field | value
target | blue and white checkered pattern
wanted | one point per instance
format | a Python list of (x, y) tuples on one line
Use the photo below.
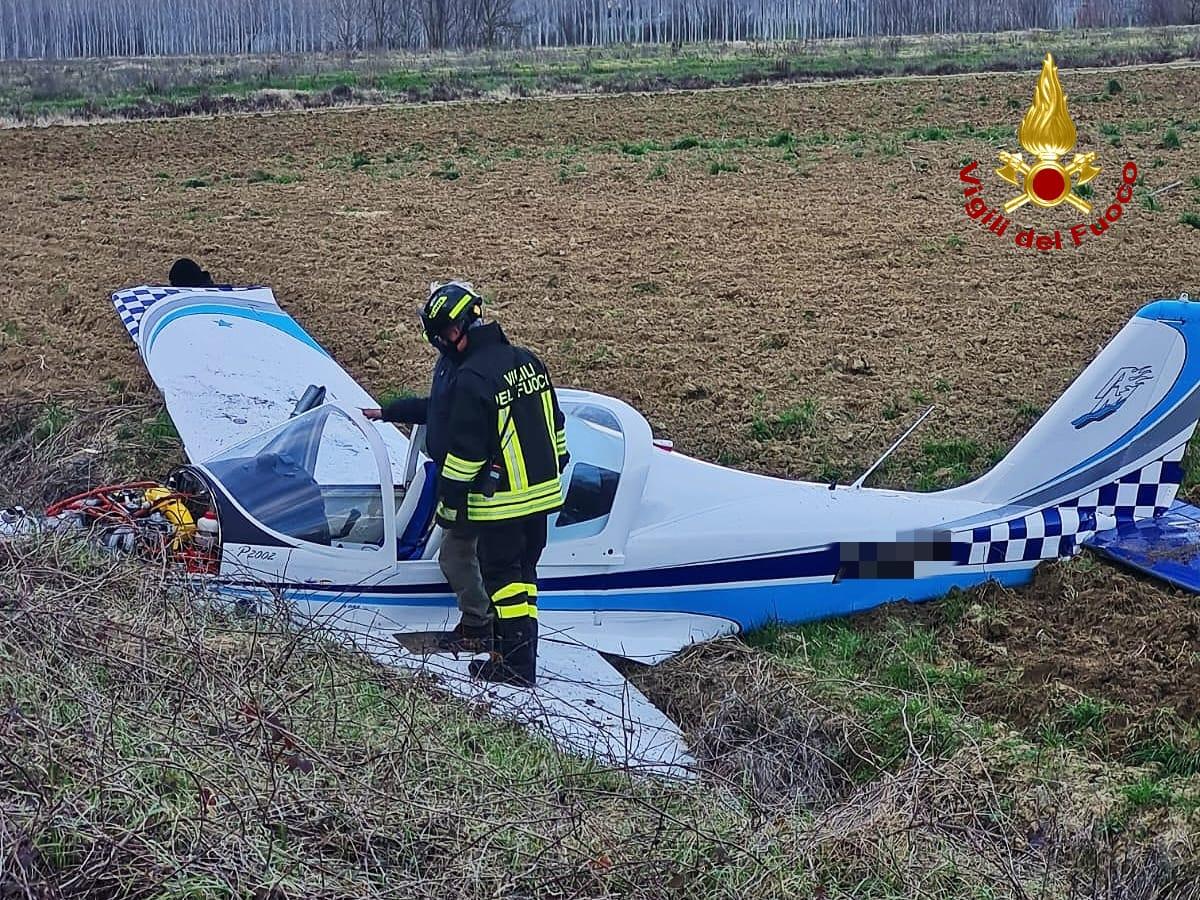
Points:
[(133, 302), (1057, 531)]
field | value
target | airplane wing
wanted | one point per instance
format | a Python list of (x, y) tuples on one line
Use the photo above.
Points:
[(581, 703), (231, 363)]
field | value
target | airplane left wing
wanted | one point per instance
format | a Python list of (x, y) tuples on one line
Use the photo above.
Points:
[(231, 363), (581, 703)]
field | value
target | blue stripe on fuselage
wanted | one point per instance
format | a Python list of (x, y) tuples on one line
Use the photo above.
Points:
[(750, 605), (819, 562)]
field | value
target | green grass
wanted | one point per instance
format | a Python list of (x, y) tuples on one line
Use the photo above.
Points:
[(195, 183), (261, 176), (793, 422), (395, 393), (53, 419), (159, 432), (1173, 755), (716, 167), (898, 682), (1190, 218), (447, 171), (1087, 713), (1147, 792), (1170, 140), (1030, 412), (1086, 191), (950, 461), (640, 148), (173, 86)]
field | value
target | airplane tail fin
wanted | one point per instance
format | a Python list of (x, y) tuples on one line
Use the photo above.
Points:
[(1113, 443)]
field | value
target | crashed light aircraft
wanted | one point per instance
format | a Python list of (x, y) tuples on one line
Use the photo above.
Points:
[(653, 550)]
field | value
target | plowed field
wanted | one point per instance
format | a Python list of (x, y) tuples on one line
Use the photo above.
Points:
[(778, 278)]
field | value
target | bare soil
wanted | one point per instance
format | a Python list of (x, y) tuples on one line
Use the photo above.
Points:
[(836, 267), (1083, 631)]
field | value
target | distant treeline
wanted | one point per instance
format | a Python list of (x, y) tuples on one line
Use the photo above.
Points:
[(89, 28)]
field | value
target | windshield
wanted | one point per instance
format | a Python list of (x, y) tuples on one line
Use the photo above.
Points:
[(315, 477), (597, 447)]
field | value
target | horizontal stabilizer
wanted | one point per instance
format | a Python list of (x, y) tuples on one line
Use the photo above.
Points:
[(1166, 546)]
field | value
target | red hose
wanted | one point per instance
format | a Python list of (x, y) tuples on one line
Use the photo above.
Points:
[(100, 493)]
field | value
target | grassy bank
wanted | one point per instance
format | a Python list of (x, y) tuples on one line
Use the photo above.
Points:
[(155, 746), (141, 88)]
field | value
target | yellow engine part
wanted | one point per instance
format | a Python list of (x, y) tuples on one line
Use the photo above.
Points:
[(174, 512)]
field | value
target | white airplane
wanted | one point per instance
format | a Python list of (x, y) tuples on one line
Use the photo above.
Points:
[(653, 550)]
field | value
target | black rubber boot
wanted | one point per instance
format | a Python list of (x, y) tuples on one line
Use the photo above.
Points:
[(468, 639), (516, 660), (522, 653)]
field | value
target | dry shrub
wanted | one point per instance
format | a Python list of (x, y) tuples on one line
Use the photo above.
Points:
[(751, 725), (153, 746), (50, 450)]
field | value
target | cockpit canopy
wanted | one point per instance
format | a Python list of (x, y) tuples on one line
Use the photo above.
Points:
[(315, 478), (322, 476)]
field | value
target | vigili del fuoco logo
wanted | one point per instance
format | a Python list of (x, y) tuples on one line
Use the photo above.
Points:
[(1047, 134)]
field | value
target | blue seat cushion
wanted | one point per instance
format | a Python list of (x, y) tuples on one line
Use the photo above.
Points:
[(412, 541)]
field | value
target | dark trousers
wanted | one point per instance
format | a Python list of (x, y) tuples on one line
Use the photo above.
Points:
[(508, 558)]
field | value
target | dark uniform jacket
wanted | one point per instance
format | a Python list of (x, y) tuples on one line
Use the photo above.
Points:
[(433, 411), (506, 428)]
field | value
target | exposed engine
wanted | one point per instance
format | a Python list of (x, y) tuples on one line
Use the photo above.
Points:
[(176, 521)]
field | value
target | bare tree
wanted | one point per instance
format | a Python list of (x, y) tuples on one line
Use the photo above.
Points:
[(349, 24), (489, 23), (436, 21)]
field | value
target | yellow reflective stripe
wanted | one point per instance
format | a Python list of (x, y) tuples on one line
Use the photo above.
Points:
[(462, 304), (516, 611), (531, 589), (547, 504), (518, 476), (512, 498), (458, 469), (510, 443), (525, 607), (514, 589), (513, 504), (548, 409), (438, 304)]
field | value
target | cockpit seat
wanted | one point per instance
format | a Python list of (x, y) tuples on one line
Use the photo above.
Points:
[(415, 513), (289, 498)]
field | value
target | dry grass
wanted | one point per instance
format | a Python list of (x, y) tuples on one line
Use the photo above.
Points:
[(52, 449), (54, 91), (155, 745)]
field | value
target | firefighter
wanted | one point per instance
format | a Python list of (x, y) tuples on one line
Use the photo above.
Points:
[(507, 448), (457, 557)]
